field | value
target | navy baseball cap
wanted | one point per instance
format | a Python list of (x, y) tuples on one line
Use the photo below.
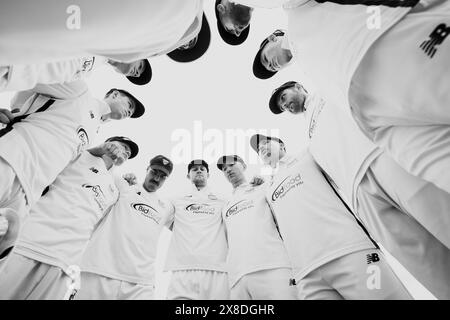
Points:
[(258, 69), (230, 38), (257, 138), (162, 163), (200, 162), (133, 146), (196, 51), (228, 160), (145, 77), (273, 102)]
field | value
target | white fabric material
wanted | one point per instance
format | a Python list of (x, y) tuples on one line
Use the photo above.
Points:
[(382, 198), (198, 235), (198, 285), (272, 284), (41, 146), (33, 31), (352, 277), (330, 52), (97, 287), (59, 226), (338, 145), (124, 246), (253, 239), (20, 77), (402, 102), (315, 226)]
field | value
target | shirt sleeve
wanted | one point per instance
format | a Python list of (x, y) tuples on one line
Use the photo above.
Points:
[(27, 76), (170, 215), (19, 99), (64, 91)]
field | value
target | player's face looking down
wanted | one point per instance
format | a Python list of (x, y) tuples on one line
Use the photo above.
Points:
[(234, 172), (122, 152), (133, 69), (189, 45), (270, 151), (292, 99), (154, 179), (273, 56), (121, 106), (198, 175), (235, 18)]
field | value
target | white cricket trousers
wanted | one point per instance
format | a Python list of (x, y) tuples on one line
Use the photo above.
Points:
[(271, 284), (388, 202), (361, 275), (97, 287), (198, 285)]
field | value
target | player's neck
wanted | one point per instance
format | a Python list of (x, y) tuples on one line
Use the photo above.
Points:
[(239, 183)]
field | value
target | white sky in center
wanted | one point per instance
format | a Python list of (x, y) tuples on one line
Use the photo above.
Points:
[(217, 93)]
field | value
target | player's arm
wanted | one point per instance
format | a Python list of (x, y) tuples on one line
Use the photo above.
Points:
[(170, 216), (26, 76), (68, 90)]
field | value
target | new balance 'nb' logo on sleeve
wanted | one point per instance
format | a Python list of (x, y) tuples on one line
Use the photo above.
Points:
[(372, 258), (436, 38)]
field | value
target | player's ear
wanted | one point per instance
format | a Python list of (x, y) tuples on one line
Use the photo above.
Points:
[(187, 176), (115, 94), (221, 8), (272, 38)]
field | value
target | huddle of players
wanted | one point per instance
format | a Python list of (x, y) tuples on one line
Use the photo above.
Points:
[(346, 165)]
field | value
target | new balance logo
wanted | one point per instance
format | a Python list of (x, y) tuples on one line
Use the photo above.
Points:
[(372, 258), (436, 38)]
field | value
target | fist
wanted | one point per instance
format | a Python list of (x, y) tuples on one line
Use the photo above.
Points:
[(6, 116), (257, 181), (130, 178), (3, 226)]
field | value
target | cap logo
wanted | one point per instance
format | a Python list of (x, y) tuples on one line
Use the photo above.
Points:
[(165, 162)]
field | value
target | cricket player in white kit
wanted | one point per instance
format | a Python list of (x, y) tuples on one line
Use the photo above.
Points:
[(258, 264), (20, 77), (54, 236), (198, 248), (398, 100), (407, 215), (118, 263), (340, 261), (54, 125), (44, 31)]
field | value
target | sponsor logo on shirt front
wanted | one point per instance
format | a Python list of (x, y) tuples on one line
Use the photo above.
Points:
[(98, 194), (200, 208), (84, 139), (147, 211), (314, 116), (238, 207), (285, 186)]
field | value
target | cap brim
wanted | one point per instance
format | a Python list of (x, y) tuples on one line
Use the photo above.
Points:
[(139, 109), (202, 45), (145, 77), (228, 159), (273, 105), (133, 147), (255, 140), (158, 167), (259, 70)]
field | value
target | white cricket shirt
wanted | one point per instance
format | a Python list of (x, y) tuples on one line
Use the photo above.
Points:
[(60, 224), (338, 146), (124, 246), (253, 239), (315, 226), (39, 147), (198, 235)]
